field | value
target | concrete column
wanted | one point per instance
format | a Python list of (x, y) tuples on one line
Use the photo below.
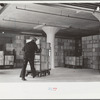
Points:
[(51, 31)]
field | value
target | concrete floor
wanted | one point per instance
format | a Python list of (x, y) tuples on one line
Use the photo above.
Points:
[(57, 75)]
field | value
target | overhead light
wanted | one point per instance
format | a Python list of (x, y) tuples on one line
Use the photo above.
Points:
[(98, 8), (78, 11), (3, 32)]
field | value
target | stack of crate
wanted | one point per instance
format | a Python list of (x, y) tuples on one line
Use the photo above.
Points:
[(9, 57), (69, 60), (96, 50), (1, 58), (87, 46), (69, 47), (90, 51), (75, 61), (59, 52), (18, 43), (9, 60), (68, 52), (42, 59), (64, 49), (37, 60), (44, 54), (79, 61), (9, 47), (78, 47), (48, 53), (84, 52)]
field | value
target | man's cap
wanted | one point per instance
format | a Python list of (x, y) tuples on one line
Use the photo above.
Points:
[(33, 38)]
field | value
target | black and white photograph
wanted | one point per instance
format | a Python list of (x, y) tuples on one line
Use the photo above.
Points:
[(50, 42)]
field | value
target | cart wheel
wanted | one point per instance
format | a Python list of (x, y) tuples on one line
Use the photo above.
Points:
[(45, 73), (40, 74), (48, 72)]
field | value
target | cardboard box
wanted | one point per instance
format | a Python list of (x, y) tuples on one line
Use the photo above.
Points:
[(84, 38), (89, 37), (95, 37)]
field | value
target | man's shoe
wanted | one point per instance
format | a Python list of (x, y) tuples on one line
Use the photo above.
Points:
[(23, 79), (34, 76), (27, 74)]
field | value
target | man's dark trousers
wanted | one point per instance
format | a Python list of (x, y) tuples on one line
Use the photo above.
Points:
[(31, 62)]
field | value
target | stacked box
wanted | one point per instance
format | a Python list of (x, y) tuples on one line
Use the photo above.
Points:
[(63, 48), (96, 47), (18, 43), (79, 61), (9, 60), (45, 54), (90, 51), (37, 67), (87, 51), (70, 60), (78, 47), (76, 61), (37, 62), (9, 47), (1, 58), (58, 50), (42, 61), (44, 66), (48, 46), (43, 39), (43, 44)]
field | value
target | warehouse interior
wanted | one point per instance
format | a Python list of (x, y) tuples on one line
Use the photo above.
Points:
[(67, 33)]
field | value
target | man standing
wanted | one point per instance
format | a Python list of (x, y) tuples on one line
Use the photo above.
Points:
[(29, 53)]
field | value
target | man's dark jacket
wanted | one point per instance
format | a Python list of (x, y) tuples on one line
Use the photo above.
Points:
[(29, 49)]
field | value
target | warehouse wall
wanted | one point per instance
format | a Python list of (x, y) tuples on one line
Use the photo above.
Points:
[(3, 41), (71, 51)]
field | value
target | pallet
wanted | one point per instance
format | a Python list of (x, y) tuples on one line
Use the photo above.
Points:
[(74, 66), (39, 73)]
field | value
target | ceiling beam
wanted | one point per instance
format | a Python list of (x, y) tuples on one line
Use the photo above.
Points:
[(21, 32), (18, 21), (68, 5), (54, 14)]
